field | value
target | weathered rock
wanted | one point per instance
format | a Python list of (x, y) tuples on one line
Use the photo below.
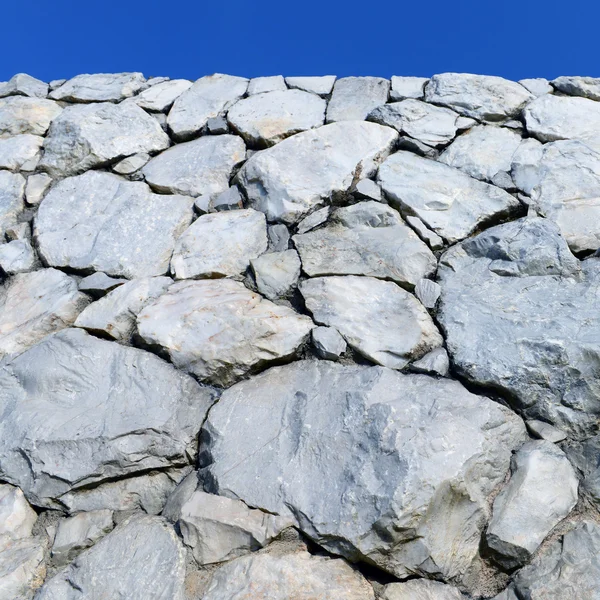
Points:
[(545, 431), (202, 166), (353, 98), (220, 244), (179, 496), (420, 589), (17, 256), (98, 284), (25, 320), (12, 189), (537, 86), (477, 96), (36, 188), (19, 231), (22, 84), (518, 312), (22, 568), (82, 410), (99, 87), (160, 97), (380, 320), (407, 87), (541, 492), (208, 97), (321, 86), (140, 559), (368, 238), (359, 456), (20, 151), (276, 273), (219, 330), (588, 87), (261, 85), (217, 125), (525, 164), (17, 518), (445, 199), (314, 220), (301, 173), (98, 221), (279, 237), (131, 164), (427, 292), (433, 240), (86, 136), (19, 115), (369, 189), (435, 362), (328, 342), (230, 199)]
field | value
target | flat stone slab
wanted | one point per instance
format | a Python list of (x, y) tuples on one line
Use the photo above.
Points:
[(160, 97), (99, 87), (407, 87), (353, 98), (321, 86)]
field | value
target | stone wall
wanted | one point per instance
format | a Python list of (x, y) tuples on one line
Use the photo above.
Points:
[(299, 338)]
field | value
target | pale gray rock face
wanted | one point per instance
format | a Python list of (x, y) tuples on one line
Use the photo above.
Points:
[(478, 96), (353, 98), (19, 231), (217, 125), (208, 97), (99, 87), (314, 220), (588, 87), (321, 86), (261, 85), (297, 175), (379, 319), (179, 496), (433, 240), (160, 97), (99, 284), (519, 314), (545, 431), (407, 87), (218, 529), (22, 84), (36, 188), (428, 292), (421, 589), (368, 238), (22, 567), (369, 189), (541, 493), (25, 320), (230, 199), (131, 164), (19, 151), (526, 163), (140, 559), (328, 342), (298, 575), (202, 166), (219, 330), (78, 411), (435, 362), (444, 198), (276, 273), (382, 487), (12, 189), (279, 237), (98, 221), (17, 256), (220, 244), (86, 136), (17, 518), (19, 115), (537, 86), (266, 119), (584, 456)]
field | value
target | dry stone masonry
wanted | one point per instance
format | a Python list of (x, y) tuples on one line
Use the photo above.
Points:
[(302, 337)]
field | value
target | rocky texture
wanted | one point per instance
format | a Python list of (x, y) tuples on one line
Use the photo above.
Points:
[(435, 362), (588, 87), (18, 256), (36, 187), (261, 85), (353, 98), (22, 84), (98, 284), (20, 152), (12, 187), (421, 589), (99, 87), (276, 273), (21, 115), (407, 87), (321, 86), (160, 97), (328, 342)]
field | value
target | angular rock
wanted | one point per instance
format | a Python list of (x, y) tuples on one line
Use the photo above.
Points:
[(98, 221), (526, 163), (276, 273), (99, 87), (545, 431), (313, 220), (321, 86), (20, 151), (445, 199), (433, 240), (328, 342), (217, 125), (279, 237), (22, 84), (17, 518), (261, 85), (12, 189), (380, 320), (22, 568), (219, 330), (231, 199), (359, 456), (160, 97), (427, 292), (82, 410), (421, 589), (537, 86), (588, 87), (179, 496), (17, 256), (98, 284), (407, 87), (36, 188), (353, 98), (368, 238), (19, 231), (131, 164), (20, 115), (369, 189), (301, 173), (435, 362)]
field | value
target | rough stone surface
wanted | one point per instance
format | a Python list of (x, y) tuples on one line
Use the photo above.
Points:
[(353, 98), (433, 240), (421, 589), (545, 431), (230, 199), (17, 256), (261, 85), (22, 84), (99, 284), (369, 189), (321, 86), (12, 188), (20, 115), (428, 292), (435, 362), (276, 273), (407, 87), (36, 187), (22, 568), (328, 343), (160, 97), (537, 86), (279, 237), (99, 87), (588, 87), (131, 164), (20, 151), (17, 518), (313, 220)]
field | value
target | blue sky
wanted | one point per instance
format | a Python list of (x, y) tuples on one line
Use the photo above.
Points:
[(52, 39)]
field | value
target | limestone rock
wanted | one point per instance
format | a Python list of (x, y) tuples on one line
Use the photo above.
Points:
[(230, 199), (131, 164), (12, 188), (98, 284), (276, 273), (262, 85), (538, 86), (17, 518), (279, 237), (17, 256), (407, 87), (36, 188), (20, 151), (321, 86), (22, 568), (160, 97), (20, 115), (588, 87), (526, 163), (22, 84), (433, 240), (435, 362), (314, 220), (99, 87), (545, 431), (369, 189), (427, 292), (328, 342), (421, 589), (217, 125), (353, 98)]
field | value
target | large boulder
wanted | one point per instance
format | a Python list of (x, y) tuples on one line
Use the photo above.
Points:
[(19, 114), (99, 87), (353, 98)]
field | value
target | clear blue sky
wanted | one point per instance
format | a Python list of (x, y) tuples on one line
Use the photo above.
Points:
[(52, 39)]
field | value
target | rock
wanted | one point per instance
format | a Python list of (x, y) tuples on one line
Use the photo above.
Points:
[(276, 273), (22, 568), (78, 533), (261, 85), (588, 87), (36, 188), (98, 284), (313, 220), (12, 188), (525, 165), (17, 256), (202, 204), (584, 456), (22, 84), (368, 238), (220, 245), (19, 151), (55, 83), (19, 231), (409, 144), (507, 594), (231, 199), (17, 518), (359, 455), (98, 221), (568, 568), (518, 312), (20, 115), (24, 320), (297, 575), (538, 86), (279, 237), (160, 97), (380, 320), (448, 201), (219, 330), (428, 292), (83, 137), (481, 97), (545, 431), (140, 559), (208, 97), (328, 343), (131, 164), (435, 362), (420, 589), (202, 166), (217, 125), (321, 86), (81, 411), (353, 98), (407, 87), (114, 315), (433, 240), (541, 493), (369, 189), (179, 496), (218, 529), (100, 87), (302, 173)]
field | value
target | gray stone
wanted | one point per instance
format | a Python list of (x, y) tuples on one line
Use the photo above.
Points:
[(208, 97), (478, 96), (420, 589), (545, 431), (368, 238), (19, 115), (541, 493), (202, 204), (409, 144), (160, 97), (22, 84), (321, 86), (435, 362), (260, 85), (81, 411), (353, 98), (407, 87), (140, 559), (87, 136), (12, 189), (380, 320), (36, 188), (428, 292), (217, 125), (98, 221), (99, 284), (19, 231), (99, 87), (219, 330), (537, 86), (313, 220), (369, 189), (525, 164), (230, 199), (220, 244), (20, 151), (131, 164), (202, 166), (445, 199), (301, 173), (519, 314), (22, 568), (588, 87), (328, 343), (17, 256), (433, 240), (56, 83), (276, 273), (359, 456), (279, 237), (17, 518), (24, 320), (584, 456), (179, 496)]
